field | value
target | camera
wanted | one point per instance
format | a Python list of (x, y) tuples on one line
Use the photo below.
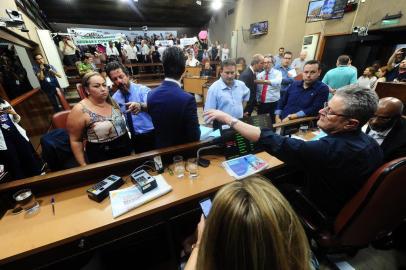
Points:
[(15, 16), (15, 20)]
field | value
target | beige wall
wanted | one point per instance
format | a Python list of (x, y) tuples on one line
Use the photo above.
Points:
[(286, 26), (287, 23)]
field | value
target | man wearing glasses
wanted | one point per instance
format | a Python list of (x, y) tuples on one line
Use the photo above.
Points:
[(288, 73), (337, 165), (388, 128)]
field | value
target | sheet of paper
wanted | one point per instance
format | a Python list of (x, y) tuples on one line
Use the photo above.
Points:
[(126, 199)]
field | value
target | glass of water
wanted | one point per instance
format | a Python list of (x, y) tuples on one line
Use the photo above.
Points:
[(178, 166), (192, 168), (26, 199), (303, 129)]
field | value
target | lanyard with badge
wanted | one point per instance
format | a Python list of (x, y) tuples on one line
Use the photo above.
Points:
[(5, 121)]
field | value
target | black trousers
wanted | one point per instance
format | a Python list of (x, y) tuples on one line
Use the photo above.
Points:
[(268, 108), (116, 148), (70, 60), (20, 159), (143, 142), (53, 99)]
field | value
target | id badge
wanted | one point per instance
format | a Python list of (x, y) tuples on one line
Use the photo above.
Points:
[(17, 82), (48, 79), (5, 126)]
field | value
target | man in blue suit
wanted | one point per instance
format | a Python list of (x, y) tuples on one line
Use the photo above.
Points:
[(173, 111)]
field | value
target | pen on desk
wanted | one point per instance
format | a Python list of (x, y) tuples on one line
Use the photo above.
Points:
[(250, 163), (53, 205), (170, 171)]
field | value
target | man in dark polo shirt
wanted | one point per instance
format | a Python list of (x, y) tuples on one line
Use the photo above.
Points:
[(336, 165), (303, 98)]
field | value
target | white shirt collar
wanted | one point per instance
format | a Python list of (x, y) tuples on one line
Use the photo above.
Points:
[(252, 69), (381, 133), (174, 81)]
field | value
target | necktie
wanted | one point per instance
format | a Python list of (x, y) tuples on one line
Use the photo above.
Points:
[(264, 89), (129, 117)]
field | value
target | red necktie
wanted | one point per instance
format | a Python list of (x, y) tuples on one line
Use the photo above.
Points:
[(264, 88)]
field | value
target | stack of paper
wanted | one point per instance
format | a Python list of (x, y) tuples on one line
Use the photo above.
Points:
[(244, 166), (124, 200)]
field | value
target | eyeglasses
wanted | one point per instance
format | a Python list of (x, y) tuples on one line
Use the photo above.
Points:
[(328, 111)]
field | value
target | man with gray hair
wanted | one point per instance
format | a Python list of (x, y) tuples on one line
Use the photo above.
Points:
[(248, 76), (299, 62), (338, 164), (269, 88)]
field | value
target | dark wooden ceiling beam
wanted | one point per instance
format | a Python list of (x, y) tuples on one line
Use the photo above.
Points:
[(162, 13)]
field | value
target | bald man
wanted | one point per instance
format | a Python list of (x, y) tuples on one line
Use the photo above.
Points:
[(388, 128), (299, 62)]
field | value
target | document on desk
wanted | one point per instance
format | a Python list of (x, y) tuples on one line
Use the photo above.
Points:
[(244, 166), (124, 200)]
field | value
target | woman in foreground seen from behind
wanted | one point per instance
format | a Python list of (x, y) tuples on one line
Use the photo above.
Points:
[(251, 226)]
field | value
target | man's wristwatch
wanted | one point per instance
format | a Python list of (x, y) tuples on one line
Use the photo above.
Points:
[(233, 122)]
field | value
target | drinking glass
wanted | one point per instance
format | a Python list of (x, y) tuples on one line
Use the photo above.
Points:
[(303, 129), (26, 199), (178, 166), (192, 168)]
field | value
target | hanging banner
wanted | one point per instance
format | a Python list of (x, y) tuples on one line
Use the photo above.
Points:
[(128, 34), (88, 40)]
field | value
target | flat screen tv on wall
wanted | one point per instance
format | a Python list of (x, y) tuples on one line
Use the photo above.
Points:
[(321, 10), (259, 29)]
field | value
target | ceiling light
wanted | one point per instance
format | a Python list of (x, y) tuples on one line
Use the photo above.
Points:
[(216, 4)]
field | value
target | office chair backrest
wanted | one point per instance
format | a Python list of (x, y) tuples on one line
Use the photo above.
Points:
[(377, 208), (81, 90), (59, 119), (62, 99)]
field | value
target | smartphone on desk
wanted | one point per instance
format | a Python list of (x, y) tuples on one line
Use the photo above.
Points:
[(205, 204)]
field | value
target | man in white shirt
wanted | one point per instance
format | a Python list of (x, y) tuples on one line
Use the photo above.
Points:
[(68, 50), (161, 50), (145, 51), (130, 51), (225, 52), (299, 62), (112, 52), (268, 93)]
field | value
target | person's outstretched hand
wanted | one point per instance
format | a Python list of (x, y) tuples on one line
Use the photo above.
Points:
[(211, 115)]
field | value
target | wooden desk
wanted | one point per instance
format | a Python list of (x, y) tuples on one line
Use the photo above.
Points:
[(79, 220), (193, 71), (194, 84), (389, 89)]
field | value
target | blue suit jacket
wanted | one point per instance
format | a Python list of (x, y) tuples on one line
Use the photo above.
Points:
[(174, 115)]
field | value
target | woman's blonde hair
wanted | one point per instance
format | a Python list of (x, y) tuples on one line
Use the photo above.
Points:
[(252, 226), (85, 83)]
